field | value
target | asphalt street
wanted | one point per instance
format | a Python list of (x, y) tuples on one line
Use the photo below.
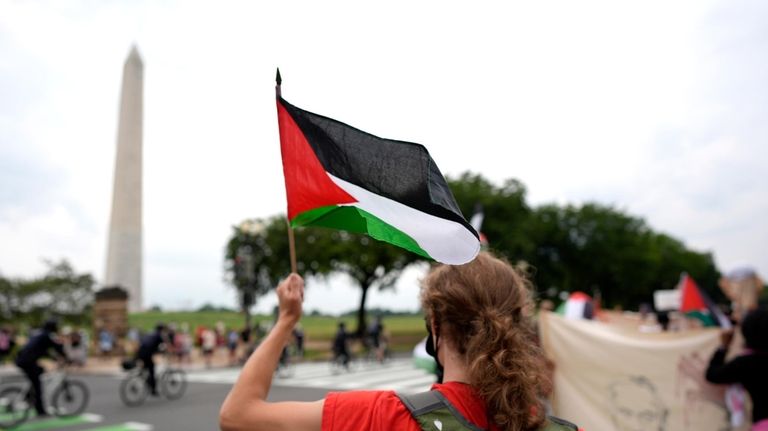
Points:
[(197, 410)]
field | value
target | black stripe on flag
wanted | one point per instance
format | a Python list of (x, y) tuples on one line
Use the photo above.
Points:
[(401, 171)]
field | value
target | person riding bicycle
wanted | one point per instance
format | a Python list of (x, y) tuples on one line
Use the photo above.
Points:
[(376, 341), (39, 346), (341, 345), (150, 345)]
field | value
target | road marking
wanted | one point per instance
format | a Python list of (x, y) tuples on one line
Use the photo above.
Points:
[(92, 417), (399, 374), (138, 426), (127, 426)]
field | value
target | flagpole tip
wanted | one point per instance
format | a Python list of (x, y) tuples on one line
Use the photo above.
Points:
[(278, 81)]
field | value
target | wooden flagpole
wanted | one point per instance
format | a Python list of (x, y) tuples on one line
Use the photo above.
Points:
[(291, 241), (291, 246)]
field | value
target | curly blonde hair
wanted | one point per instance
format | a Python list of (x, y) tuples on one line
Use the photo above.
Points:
[(484, 309)]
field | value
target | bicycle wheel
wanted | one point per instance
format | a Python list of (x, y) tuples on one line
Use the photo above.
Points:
[(285, 370), (133, 390), (173, 383), (340, 364), (14, 407), (70, 398)]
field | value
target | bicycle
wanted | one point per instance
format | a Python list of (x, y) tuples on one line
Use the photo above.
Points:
[(68, 397), (376, 351), (341, 363), (134, 389)]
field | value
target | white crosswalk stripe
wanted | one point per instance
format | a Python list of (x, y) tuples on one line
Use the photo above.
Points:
[(398, 374)]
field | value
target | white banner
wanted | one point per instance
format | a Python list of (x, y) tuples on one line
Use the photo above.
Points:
[(613, 377)]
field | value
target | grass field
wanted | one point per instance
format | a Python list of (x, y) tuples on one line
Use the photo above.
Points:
[(404, 331)]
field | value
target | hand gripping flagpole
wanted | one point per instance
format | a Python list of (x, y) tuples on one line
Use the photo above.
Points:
[(291, 241)]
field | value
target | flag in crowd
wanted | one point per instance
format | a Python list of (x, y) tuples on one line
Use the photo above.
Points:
[(695, 303)]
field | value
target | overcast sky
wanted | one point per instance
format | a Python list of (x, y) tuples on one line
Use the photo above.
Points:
[(658, 108)]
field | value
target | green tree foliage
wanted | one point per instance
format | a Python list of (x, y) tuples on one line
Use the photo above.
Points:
[(591, 247), (596, 248), (250, 264), (505, 209), (319, 252), (60, 292)]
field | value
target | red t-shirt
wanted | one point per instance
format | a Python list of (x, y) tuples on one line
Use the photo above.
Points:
[(383, 410)]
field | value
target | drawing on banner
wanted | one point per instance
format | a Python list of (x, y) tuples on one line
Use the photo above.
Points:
[(636, 405), (700, 398)]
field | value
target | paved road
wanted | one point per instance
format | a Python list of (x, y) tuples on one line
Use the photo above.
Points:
[(198, 409), (398, 375)]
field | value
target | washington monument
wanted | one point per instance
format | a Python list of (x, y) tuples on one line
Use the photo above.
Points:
[(124, 251)]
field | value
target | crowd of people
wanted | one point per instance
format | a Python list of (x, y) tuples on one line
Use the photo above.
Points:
[(211, 345), (493, 373)]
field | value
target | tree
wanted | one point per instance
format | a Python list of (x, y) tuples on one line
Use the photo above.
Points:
[(319, 252), (589, 247), (249, 264), (506, 212), (60, 292), (597, 248)]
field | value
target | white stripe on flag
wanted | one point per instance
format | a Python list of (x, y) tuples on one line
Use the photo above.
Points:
[(444, 240)]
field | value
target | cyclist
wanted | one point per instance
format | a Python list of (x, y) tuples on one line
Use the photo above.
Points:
[(150, 345), (341, 345), (376, 338), (39, 346), (480, 329)]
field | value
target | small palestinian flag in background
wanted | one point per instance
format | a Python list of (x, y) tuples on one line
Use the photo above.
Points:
[(477, 223), (578, 306), (340, 177), (695, 303)]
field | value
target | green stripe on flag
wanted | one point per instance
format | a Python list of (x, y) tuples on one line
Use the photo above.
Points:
[(705, 318), (353, 219)]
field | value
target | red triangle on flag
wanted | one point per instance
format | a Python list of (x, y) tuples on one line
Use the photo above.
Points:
[(690, 297), (307, 184)]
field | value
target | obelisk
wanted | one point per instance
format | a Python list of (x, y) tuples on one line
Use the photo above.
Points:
[(124, 251)]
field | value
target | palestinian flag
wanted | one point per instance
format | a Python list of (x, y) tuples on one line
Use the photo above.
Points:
[(340, 177), (695, 303)]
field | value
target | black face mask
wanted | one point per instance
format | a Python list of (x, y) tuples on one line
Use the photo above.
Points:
[(432, 351)]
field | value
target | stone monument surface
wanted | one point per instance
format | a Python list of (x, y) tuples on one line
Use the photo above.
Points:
[(124, 250)]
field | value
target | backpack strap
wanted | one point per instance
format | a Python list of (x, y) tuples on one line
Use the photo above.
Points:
[(435, 404), (431, 402), (423, 402), (556, 424)]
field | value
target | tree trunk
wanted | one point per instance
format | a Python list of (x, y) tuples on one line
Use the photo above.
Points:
[(247, 314), (361, 326)]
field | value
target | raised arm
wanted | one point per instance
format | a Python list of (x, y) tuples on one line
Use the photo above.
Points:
[(718, 371), (246, 408)]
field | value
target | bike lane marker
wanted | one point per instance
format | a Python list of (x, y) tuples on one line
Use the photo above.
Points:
[(57, 423), (127, 426)]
